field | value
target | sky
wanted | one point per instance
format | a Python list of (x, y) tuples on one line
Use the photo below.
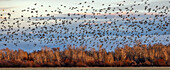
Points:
[(18, 6)]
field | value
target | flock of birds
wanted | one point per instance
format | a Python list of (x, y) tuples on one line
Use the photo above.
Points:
[(109, 26)]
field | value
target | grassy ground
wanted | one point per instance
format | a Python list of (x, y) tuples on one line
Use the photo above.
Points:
[(92, 68)]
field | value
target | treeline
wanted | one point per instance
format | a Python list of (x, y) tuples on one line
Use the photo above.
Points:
[(138, 55)]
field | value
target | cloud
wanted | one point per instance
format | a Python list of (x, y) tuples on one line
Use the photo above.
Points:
[(5, 8), (5, 0), (2, 17)]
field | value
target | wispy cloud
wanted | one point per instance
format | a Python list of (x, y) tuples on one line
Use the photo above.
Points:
[(1, 17), (6, 8), (5, 0)]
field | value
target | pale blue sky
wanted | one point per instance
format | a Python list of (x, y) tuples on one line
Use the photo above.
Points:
[(18, 5)]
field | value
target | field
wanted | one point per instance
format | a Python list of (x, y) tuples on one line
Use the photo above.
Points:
[(92, 68)]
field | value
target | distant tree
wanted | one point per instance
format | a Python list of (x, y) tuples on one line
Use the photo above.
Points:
[(147, 63), (138, 55), (160, 62), (57, 57), (117, 53), (109, 59)]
